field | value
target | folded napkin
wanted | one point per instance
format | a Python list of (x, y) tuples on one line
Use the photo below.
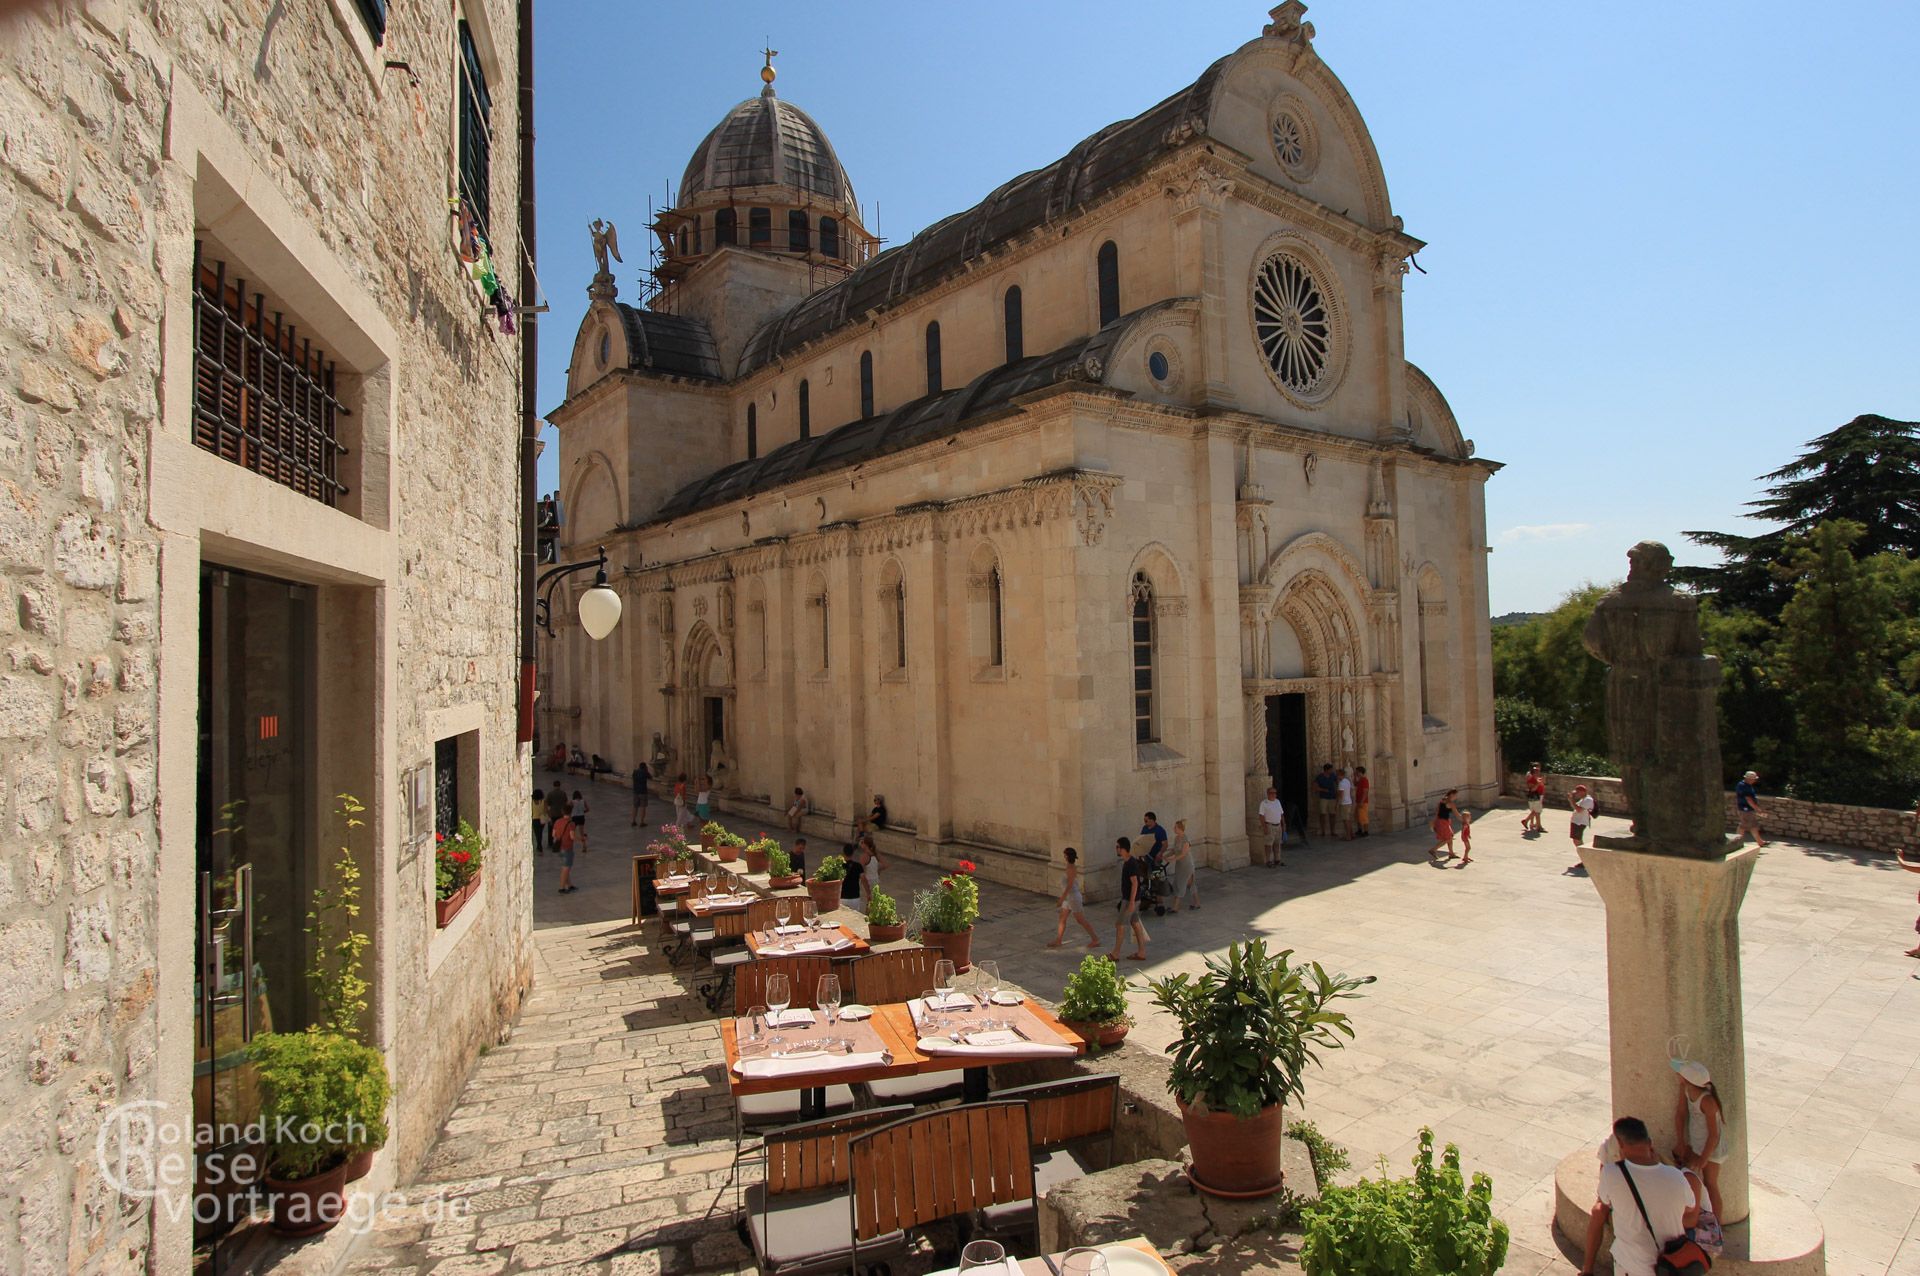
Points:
[(789, 930), (806, 946), (952, 1001), (987, 1044), (798, 1017), (812, 1061)]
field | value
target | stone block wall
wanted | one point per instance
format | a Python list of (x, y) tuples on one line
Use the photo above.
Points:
[(1865, 828)]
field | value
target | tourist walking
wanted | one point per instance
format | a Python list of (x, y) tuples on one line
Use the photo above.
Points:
[(1536, 800), (578, 814), (1345, 790), (1900, 854), (850, 883), (1326, 798), (1273, 822), (796, 810), (1698, 1116), (556, 807), (1443, 825), (1648, 1204), (1072, 904), (565, 839), (1362, 797), (1180, 867), (1466, 838), (703, 804), (681, 815), (539, 823), (1133, 890), (642, 776), (1746, 806), (1583, 806)]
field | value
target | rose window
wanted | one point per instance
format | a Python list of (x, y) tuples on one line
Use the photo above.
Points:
[(1289, 141), (1293, 323)]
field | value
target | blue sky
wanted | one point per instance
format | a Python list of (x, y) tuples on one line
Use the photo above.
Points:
[(1666, 247)]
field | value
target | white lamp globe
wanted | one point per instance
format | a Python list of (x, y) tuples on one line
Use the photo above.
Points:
[(599, 611)]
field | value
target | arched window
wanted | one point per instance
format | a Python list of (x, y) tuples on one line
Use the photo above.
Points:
[(866, 384), (806, 412), (893, 617), (753, 431), (933, 357), (1015, 341), (1436, 673), (823, 635), (830, 238), (899, 624), (724, 228), (1109, 274), (798, 235), (760, 227), (996, 616), (1145, 728), (986, 609)]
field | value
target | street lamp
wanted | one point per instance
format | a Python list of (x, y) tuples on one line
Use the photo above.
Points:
[(599, 606)]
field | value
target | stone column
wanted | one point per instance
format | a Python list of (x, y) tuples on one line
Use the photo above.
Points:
[(1257, 779), (1673, 971)]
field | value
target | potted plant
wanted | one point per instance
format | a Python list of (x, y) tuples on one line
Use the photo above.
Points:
[(780, 874), (1094, 1003), (334, 972), (824, 885), (947, 913), (1249, 1028), (755, 853), (714, 834), (323, 1099), (883, 919), (456, 870)]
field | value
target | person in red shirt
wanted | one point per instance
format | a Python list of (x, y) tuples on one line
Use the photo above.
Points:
[(1362, 792), (1536, 800)]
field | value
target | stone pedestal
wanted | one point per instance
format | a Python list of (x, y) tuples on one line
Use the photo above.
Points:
[(1673, 971)]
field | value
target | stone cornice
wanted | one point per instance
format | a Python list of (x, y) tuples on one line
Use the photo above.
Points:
[(606, 383)]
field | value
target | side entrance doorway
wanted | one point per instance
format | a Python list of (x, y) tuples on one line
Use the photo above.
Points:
[(1287, 759)]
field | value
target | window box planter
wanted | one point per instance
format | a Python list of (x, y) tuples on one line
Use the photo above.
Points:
[(445, 910)]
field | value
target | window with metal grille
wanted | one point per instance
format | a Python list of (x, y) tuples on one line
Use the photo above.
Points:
[(375, 14), (1143, 726), (866, 384), (753, 431), (933, 357), (264, 396), (476, 142), (446, 786), (760, 226), (806, 412), (1108, 270), (830, 238), (799, 237), (1015, 341), (725, 228)]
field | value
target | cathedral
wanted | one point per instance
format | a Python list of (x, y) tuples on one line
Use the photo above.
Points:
[(1114, 492)]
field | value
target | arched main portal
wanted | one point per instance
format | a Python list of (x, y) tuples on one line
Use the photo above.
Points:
[(706, 712)]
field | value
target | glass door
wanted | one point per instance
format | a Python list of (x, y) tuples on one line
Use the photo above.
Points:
[(256, 872)]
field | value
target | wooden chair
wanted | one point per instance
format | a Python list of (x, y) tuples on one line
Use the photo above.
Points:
[(729, 930), (880, 978), (937, 1165), (1067, 1121), (804, 970), (759, 916), (797, 1218), (684, 930)]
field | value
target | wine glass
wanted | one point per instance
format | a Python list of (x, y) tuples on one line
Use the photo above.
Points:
[(782, 912), (827, 997), (755, 1037), (943, 977), (930, 999), (987, 979), (1083, 1261), (980, 1254), (809, 914), (779, 997)]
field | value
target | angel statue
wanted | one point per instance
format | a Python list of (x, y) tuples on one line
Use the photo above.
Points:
[(606, 241)]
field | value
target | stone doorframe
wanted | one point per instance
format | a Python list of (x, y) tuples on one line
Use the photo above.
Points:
[(703, 651)]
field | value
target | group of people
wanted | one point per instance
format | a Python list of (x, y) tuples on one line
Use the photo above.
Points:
[(1156, 871), (560, 826), (1341, 804), (1659, 1209)]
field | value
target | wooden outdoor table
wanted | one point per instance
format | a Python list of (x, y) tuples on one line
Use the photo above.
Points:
[(1041, 1267), (704, 907), (760, 940), (974, 1066)]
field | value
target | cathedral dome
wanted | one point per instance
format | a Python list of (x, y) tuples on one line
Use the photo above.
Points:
[(767, 142)]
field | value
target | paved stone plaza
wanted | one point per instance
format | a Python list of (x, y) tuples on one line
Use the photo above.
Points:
[(599, 1138)]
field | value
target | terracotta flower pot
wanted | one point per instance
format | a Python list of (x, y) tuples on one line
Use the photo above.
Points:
[(756, 861), (955, 946), (1234, 1157), (1104, 1035), (786, 883), (360, 1164), (879, 934), (727, 854), (826, 895), (308, 1207)]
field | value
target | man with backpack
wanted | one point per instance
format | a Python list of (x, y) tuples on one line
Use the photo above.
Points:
[(1650, 1205)]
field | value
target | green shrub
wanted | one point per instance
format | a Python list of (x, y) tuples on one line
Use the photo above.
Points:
[(1432, 1224), (714, 833), (1328, 1157), (953, 905), (339, 945), (881, 910), (1524, 730), (779, 863), (1094, 993), (832, 869), (323, 1098)]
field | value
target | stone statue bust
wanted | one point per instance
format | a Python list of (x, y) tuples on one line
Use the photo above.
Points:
[(1662, 726)]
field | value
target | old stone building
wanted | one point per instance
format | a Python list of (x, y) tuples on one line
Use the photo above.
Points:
[(260, 452), (1115, 491)]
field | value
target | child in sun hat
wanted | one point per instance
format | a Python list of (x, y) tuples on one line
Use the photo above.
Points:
[(1703, 1134)]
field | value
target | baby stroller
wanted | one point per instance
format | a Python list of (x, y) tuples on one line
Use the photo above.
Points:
[(1159, 885)]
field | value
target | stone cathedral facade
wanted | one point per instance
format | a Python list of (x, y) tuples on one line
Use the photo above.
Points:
[(1113, 492)]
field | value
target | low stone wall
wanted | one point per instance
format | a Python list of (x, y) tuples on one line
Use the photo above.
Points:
[(1866, 828)]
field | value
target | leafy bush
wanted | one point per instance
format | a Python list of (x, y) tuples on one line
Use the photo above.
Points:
[(779, 862), (334, 972), (1095, 994), (1525, 731), (881, 909), (952, 906), (1328, 1157), (1250, 1027), (323, 1098), (832, 869), (1432, 1224), (713, 833), (1575, 762)]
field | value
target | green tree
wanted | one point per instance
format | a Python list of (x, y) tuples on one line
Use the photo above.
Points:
[(1866, 472), (1544, 662), (1756, 715)]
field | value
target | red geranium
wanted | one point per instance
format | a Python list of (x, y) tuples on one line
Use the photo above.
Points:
[(965, 866), (460, 857)]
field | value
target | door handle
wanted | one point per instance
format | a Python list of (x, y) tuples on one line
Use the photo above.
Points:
[(243, 893)]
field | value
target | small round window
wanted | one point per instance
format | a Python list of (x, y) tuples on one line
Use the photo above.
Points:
[(1157, 366), (1294, 142)]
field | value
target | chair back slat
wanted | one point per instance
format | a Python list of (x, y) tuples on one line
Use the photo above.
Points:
[(750, 980), (761, 916), (813, 1155), (1069, 1111), (880, 978), (939, 1164), (729, 925)]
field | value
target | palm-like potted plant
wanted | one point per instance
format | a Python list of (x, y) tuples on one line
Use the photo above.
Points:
[(947, 914), (1094, 1003), (824, 885), (883, 919), (714, 835), (323, 1099), (780, 874), (1250, 1026)]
